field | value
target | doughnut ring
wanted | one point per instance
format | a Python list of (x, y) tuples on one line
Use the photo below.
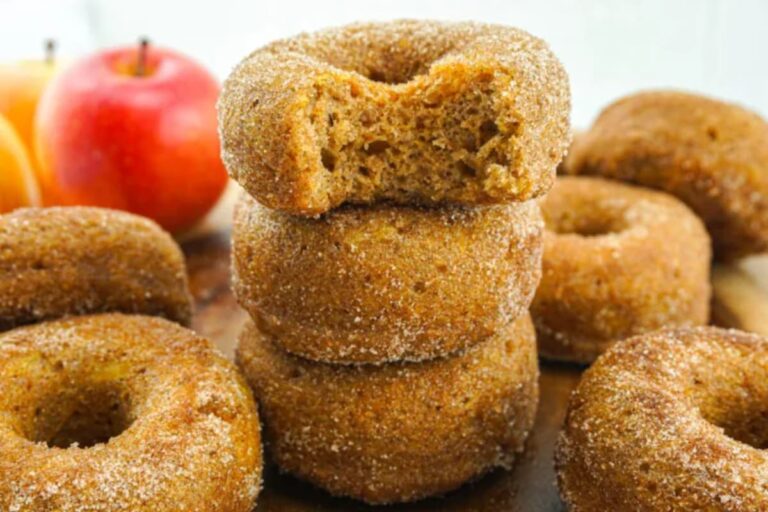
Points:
[(670, 421), (405, 111), (361, 284), (618, 261), (57, 262), (710, 154), (117, 412), (396, 432)]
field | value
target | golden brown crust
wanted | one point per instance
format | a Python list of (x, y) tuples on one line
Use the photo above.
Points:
[(183, 425), (57, 262), (670, 421), (712, 155), (396, 432), (618, 261), (410, 111), (385, 283), (496, 492)]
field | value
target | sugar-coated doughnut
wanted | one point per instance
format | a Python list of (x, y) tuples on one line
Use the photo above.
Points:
[(57, 262), (117, 412), (618, 260), (496, 492), (712, 155), (401, 431), (670, 421), (384, 283), (408, 111)]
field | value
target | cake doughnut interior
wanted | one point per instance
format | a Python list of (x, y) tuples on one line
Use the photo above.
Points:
[(411, 111)]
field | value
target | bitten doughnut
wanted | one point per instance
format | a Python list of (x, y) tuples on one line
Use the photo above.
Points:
[(385, 283), (670, 421), (116, 412), (409, 111), (396, 432), (618, 261), (712, 155), (57, 262)]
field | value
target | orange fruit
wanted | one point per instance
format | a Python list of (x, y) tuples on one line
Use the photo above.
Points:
[(21, 85), (18, 186)]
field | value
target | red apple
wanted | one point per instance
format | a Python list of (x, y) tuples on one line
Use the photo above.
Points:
[(132, 129)]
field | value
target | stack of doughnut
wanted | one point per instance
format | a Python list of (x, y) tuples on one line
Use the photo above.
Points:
[(106, 402), (389, 246)]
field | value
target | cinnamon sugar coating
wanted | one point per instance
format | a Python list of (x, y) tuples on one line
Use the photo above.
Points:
[(711, 154), (670, 421), (117, 412), (618, 260), (495, 492), (396, 432), (384, 283), (409, 111), (58, 262)]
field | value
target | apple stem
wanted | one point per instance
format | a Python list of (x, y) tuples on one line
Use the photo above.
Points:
[(50, 50), (141, 64)]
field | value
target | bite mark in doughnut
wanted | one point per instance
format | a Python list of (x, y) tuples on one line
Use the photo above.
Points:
[(671, 421), (618, 261), (116, 412), (409, 111), (57, 262), (401, 431), (385, 283)]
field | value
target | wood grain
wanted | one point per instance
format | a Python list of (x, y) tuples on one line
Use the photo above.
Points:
[(740, 300)]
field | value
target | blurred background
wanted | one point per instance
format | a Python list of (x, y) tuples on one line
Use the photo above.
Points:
[(609, 47)]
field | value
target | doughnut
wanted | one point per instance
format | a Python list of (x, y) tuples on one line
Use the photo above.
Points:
[(361, 284), (496, 492), (406, 111), (396, 432), (670, 421), (57, 262), (123, 412), (710, 154), (618, 260)]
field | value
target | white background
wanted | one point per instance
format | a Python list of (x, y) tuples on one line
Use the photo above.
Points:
[(610, 47)]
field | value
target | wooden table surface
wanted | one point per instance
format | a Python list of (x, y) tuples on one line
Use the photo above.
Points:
[(740, 300)]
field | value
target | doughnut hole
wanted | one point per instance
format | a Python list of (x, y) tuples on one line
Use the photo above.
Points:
[(736, 398), (585, 225), (63, 405), (83, 416), (586, 217)]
